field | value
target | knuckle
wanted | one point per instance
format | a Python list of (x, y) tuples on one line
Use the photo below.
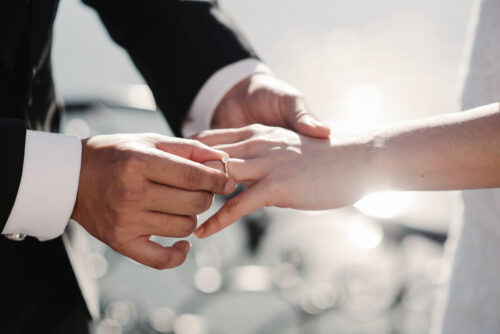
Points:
[(256, 127), (231, 206), (114, 238), (216, 222), (192, 177), (289, 99), (161, 263), (125, 194), (202, 134), (287, 102), (121, 221), (193, 142), (202, 202), (247, 145), (275, 192), (187, 227), (218, 183), (131, 162), (175, 263), (261, 141), (153, 135)]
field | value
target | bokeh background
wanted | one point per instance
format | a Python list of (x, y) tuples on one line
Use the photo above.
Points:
[(372, 268)]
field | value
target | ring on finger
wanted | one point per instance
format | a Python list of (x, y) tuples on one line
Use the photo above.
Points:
[(225, 162)]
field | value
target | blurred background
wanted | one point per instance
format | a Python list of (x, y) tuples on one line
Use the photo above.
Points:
[(371, 268)]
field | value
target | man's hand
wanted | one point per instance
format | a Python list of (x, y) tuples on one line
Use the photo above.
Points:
[(135, 186), (264, 99)]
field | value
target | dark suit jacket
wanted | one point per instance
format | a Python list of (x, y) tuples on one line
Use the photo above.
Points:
[(176, 45)]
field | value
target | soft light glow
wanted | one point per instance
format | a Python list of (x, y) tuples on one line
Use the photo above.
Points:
[(162, 319), (364, 233), (77, 127), (364, 102), (208, 279), (383, 205), (140, 96), (98, 265), (108, 326), (189, 324), (251, 278), (123, 311)]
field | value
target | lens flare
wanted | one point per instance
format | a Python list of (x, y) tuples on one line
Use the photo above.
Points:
[(383, 205)]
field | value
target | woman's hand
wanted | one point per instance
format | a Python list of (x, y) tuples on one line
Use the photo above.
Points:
[(284, 169), (446, 152)]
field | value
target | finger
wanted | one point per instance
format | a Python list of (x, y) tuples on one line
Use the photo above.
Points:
[(216, 164), (171, 170), (247, 149), (223, 136), (155, 255), (177, 201), (234, 209), (168, 225), (244, 171), (302, 121), (190, 149)]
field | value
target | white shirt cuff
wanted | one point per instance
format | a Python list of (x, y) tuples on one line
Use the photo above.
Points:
[(215, 88), (48, 187)]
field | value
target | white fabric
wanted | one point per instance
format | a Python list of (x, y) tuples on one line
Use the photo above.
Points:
[(48, 188), (215, 88), (471, 301)]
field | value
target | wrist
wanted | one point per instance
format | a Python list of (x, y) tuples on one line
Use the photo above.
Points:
[(378, 171), (367, 155), (222, 116)]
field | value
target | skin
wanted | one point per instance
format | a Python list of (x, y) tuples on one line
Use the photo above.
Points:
[(285, 169), (125, 194), (265, 99), (135, 186)]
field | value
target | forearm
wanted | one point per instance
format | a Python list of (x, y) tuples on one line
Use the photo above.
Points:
[(447, 152)]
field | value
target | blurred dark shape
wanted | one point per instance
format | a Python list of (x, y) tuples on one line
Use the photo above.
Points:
[(255, 223)]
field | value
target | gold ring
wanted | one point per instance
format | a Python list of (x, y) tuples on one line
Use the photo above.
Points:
[(225, 162)]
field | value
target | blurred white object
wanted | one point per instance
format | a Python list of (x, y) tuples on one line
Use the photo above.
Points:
[(208, 279), (251, 278), (472, 299), (162, 319), (365, 233), (108, 326), (383, 205), (190, 324)]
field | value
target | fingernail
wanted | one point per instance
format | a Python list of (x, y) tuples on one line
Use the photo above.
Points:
[(199, 231), (230, 187), (183, 245), (313, 122)]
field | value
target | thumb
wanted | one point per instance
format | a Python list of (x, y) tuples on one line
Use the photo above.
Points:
[(302, 121)]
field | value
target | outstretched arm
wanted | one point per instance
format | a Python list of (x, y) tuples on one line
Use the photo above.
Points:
[(281, 168), (447, 152)]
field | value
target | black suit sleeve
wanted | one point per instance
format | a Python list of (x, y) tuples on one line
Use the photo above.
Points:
[(12, 141), (176, 45)]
